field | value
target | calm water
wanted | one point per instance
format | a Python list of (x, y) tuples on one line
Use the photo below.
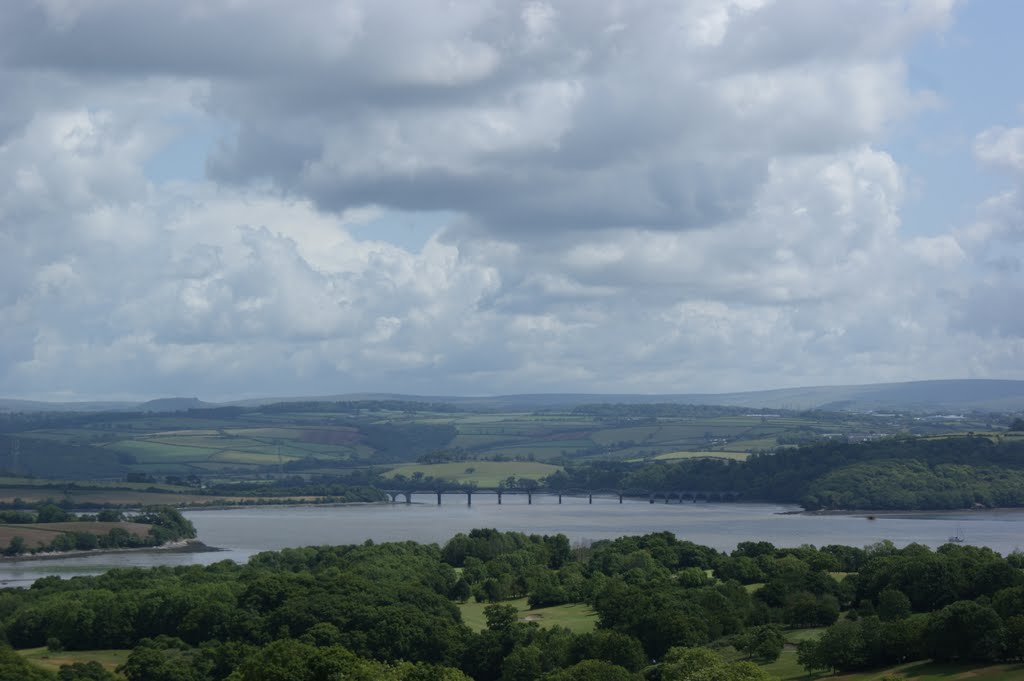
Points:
[(244, 532)]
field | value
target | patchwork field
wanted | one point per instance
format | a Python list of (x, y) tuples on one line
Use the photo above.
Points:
[(246, 442)]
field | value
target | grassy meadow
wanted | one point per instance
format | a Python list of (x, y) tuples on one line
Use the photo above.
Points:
[(576, 617)]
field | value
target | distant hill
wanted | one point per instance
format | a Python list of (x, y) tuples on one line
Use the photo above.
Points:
[(175, 404), (953, 396), (25, 406)]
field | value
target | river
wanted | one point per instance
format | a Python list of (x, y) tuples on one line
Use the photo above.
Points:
[(242, 532)]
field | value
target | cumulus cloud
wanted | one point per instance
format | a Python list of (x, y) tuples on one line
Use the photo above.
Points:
[(651, 196)]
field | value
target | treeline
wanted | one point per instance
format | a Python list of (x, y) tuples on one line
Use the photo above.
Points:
[(328, 489), (895, 473)]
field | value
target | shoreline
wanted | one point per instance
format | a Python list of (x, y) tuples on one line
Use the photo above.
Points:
[(183, 546)]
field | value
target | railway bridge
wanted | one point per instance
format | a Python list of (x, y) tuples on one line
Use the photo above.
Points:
[(652, 496)]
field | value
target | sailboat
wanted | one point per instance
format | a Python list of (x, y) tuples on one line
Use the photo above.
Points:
[(957, 538)]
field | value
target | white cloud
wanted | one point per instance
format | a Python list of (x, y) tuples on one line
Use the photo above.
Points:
[(649, 196), (1001, 148)]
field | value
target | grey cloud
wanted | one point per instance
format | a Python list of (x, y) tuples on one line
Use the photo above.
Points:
[(668, 130)]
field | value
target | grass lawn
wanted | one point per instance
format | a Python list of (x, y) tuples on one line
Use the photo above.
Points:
[(484, 473), (787, 669), (577, 617), (52, 661), (798, 635)]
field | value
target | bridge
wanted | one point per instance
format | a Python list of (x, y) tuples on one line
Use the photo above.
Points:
[(651, 495)]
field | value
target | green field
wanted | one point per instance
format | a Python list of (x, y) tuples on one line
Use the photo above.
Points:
[(576, 617), (483, 473)]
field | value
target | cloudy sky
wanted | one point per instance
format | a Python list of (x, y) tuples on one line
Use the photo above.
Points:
[(232, 198)]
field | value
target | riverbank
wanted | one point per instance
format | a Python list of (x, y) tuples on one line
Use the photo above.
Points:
[(285, 504), (185, 546)]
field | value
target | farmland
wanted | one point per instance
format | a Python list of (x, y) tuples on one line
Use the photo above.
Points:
[(174, 457)]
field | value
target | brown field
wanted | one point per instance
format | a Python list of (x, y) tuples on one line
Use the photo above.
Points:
[(34, 539)]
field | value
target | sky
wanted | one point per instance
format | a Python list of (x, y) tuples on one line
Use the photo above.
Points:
[(241, 198)]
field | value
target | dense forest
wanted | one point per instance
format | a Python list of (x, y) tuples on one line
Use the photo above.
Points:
[(666, 609)]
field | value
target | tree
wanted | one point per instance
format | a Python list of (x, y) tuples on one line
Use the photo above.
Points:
[(15, 547), (593, 670), (85, 671), (151, 663), (810, 655), (965, 631), (501, 617), (50, 513), (892, 605), (461, 591), (764, 642), (522, 664), (612, 646), (1013, 640), (702, 664)]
